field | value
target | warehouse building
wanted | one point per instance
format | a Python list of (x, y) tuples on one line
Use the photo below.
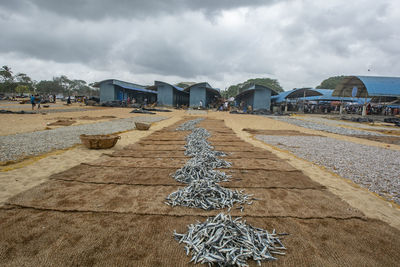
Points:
[(382, 89), (256, 96), (116, 90), (171, 95), (202, 94), (368, 86)]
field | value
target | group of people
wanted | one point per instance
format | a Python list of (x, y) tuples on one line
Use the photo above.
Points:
[(224, 106), (35, 100)]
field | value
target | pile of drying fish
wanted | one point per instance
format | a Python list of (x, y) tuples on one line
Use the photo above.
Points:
[(224, 241), (189, 125), (208, 195), (199, 173), (220, 240)]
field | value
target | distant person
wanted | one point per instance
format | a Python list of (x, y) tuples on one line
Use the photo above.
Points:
[(201, 104), (33, 102), (145, 102), (54, 99), (69, 100), (38, 100)]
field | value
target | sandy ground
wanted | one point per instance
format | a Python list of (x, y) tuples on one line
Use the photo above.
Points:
[(23, 123), (97, 215), (20, 177), (344, 188)]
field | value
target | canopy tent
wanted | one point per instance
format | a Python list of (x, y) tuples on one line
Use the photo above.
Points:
[(300, 93)]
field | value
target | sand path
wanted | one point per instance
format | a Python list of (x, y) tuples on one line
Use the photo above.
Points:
[(111, 211), (23, 176)]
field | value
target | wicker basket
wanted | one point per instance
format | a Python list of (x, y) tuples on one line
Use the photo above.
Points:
[(100, 141), (142, 126)]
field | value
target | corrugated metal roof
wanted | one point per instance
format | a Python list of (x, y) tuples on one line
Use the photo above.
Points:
[(207, 86), (368, 86), (381, 86), (299, 93), (137, 89), (173, 86), (253, 87)]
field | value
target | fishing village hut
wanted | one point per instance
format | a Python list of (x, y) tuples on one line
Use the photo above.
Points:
[(256, 96), (202, 92), (171, 95), (116, 90)]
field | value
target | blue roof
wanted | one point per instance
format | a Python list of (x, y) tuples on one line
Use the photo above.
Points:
[(381, 86), (297, 93), (368, 86), (137, 89), (325, 95), (173, 86), (205, 85), (253, 87), (127, 85)]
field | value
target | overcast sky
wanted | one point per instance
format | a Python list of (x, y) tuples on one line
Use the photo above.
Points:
[(223, 42)]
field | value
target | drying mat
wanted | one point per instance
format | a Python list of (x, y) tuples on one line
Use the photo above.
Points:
[(173, 154), (46, 238), (238, 163), (278, 132), (228, 148), (226, 142), (71, 196), (161, 176), (165, 137)]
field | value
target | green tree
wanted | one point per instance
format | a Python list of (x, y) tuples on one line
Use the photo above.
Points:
[(21, 89), (6, 74), (49, 87), (331, 82), (7, 84)]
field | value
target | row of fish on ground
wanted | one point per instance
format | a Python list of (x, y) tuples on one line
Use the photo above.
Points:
[(220, 240)]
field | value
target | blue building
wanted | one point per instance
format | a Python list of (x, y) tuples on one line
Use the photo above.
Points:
[(171, 95), (114, 90), (202, 94), (256, 96)]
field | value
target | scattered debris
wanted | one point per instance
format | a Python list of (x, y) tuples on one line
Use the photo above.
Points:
[(4, 111), (96, 118), (224, 241), (142, 111), (61, 123), (356, 119), (157, 109), (254, 112), (396, 121)]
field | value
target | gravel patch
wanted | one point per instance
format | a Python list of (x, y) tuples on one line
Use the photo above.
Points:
[(352, 124), (375, 168), (326, 128), (16, 146), (196, 112)]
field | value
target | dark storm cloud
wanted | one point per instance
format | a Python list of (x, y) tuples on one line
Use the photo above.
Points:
[(98, 9)]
